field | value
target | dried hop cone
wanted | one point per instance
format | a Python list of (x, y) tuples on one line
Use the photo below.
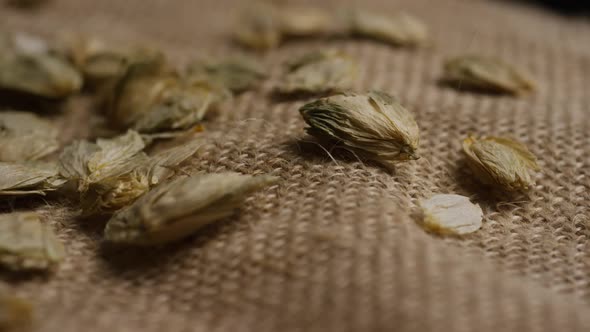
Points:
[(119, 191), (27, 243), (319, 72), (87, 164), (302, 21), (488, 74), (151, 99), (374, 124), (25, 136), (177, 209), (398, 30), (258, 27), (102, 63), (237, 73), (30, 178), (29, 65), (501, 162), (113, 173)]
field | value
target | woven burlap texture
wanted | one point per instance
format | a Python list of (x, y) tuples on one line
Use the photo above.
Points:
[(333, 246)]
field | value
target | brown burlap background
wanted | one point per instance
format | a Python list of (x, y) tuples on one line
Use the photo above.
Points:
[(333, 247)]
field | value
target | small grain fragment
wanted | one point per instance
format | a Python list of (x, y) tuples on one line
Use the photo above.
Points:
[(177, 209), (450, 214), (375, 125), (501, 162), (26, 243), (237, 73), (29, 65), (319, 72), (25, 136), (486, 74), (31, 178), (401, 29), (15, 312)]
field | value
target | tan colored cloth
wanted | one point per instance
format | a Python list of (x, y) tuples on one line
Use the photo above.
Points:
[(333, 247)]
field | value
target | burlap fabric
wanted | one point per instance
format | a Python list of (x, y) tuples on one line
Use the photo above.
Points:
[(333, 246)]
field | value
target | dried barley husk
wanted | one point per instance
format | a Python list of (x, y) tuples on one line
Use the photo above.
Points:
[(28, 65), (375, 125), (19, 179), (258, 27), (237, 74), (150, 101), (501, 162), (486, 74), (177, 209), (319, 72), (27, 243), (447, 214), (401, 29), (114, 193), (15, 313), (25, 136)]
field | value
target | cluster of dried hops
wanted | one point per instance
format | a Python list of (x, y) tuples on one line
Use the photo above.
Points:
[(265, 26), (496, 161), (142, 91), (142, 95), (375, 125), (145, 97)]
